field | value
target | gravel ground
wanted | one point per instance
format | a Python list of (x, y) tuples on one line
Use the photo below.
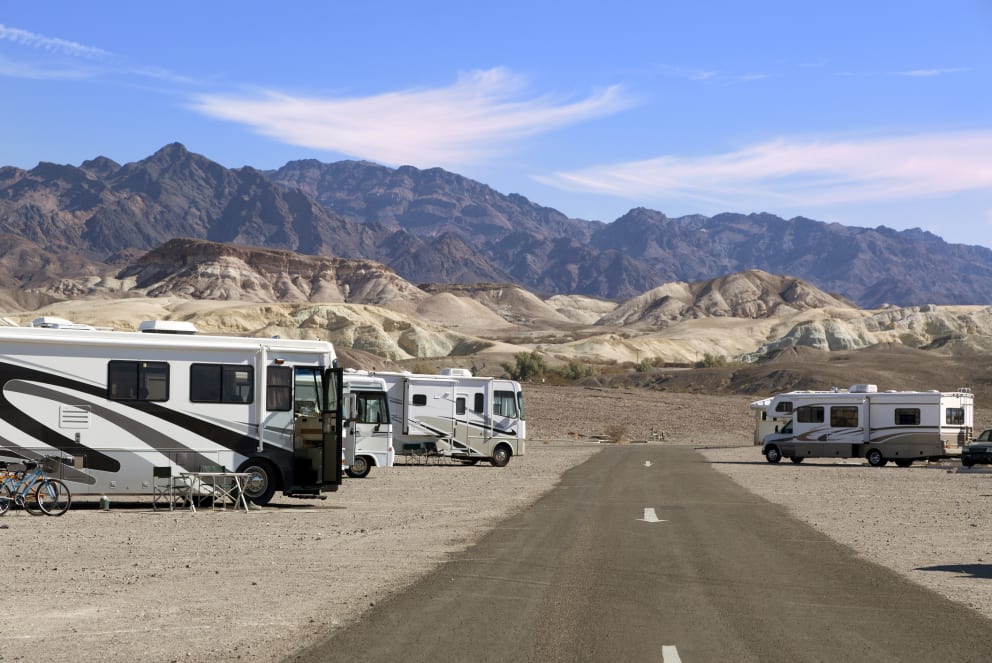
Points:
[(133, 583)]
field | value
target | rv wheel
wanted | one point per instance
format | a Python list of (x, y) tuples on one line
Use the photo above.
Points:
[(360, 469), (796, 459), (501, 456), (875, 458), (261, 485), (772, 454), (904, 462)]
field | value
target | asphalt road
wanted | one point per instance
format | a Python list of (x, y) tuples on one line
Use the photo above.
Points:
[(645, 553)]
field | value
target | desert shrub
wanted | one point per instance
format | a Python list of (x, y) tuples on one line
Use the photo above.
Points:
[(616, 432), (575, 370), (526, 366), (711, 361)]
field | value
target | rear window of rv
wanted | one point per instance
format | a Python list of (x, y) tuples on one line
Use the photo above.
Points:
[(955, 416), (784, 406), (221, 383), (138, 381), (907, 416), (810, 414)]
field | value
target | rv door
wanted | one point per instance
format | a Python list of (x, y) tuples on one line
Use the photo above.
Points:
[(332, 427)]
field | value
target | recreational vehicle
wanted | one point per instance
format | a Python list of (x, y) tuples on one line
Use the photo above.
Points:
[(861, 422), (118, 407), (369, 427), (456, 415)]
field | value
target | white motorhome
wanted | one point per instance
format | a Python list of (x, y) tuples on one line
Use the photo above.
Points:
[(862, 422), (369, 427), (457, 415), (115, 405)]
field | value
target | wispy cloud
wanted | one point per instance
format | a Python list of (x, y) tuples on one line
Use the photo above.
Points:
[(51, 44), (791, 172), (472, 119), (923, 73), (695, 74)]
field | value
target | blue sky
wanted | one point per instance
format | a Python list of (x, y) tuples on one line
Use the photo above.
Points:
[(861, 113)]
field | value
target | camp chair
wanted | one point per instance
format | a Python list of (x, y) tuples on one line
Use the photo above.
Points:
[(166, 489)]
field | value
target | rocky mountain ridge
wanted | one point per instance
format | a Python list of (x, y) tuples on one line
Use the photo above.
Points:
[(435, 226)]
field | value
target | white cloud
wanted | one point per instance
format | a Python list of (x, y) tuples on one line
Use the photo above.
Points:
[(51, 44), (931, 72), (469, 120), (799, 173)]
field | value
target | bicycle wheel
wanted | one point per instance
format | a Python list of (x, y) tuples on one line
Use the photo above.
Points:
[(6, 499), (53, 497), (30, 498)]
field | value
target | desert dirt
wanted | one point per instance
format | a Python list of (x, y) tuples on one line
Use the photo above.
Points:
[(132, 583)]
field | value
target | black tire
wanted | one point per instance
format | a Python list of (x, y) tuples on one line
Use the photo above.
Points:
[(53, 497), (261, 485), (904, 462), (6, 499), (31, 499), (772, 454), (501, 455), (796, 459), (361, 468), (967, 462), (875, 458)]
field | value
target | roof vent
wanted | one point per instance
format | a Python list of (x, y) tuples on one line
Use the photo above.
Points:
[(51, 322), (167, 327), (456, 372), (863, 389)]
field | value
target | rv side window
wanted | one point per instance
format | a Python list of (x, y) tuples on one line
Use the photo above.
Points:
[(279, 388), (810, 414), (419, 399), (907, 416), (480, 403), (221, 383), (844, 416), (955, 416), (460, 405), (505, 404), (138, 381), (784, 406)]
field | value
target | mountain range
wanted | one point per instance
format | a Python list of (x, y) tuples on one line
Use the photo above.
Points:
[(61, 225)]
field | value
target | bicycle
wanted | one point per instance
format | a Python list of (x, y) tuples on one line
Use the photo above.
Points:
[(31, 489)]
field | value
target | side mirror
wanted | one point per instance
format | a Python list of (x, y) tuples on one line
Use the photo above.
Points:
[(349, 406)]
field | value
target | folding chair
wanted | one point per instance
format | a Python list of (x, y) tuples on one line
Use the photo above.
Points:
[(165, 490)]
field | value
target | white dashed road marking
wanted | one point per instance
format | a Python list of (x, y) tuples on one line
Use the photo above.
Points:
[(651, 517)]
